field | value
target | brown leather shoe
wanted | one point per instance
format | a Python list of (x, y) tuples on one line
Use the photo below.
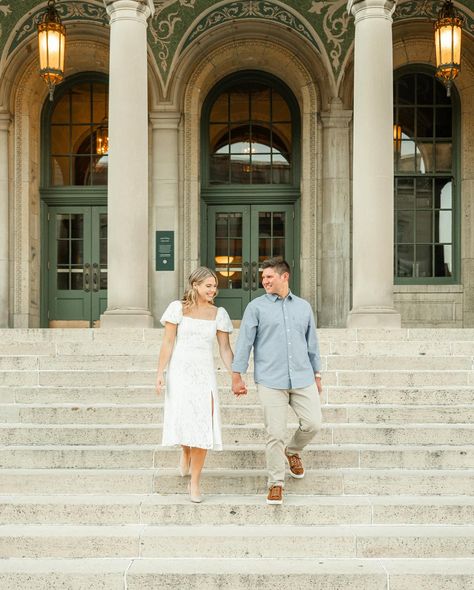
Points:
[(275, 495), (296, 465)]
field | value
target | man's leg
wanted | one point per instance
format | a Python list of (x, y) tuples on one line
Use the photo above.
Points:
[(275, 409), (307, 407)]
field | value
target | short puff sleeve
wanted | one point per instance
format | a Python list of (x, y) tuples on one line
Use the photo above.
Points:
[(173, 313), (223, 321)]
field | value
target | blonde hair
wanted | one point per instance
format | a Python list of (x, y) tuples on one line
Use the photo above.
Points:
[(197, 276)]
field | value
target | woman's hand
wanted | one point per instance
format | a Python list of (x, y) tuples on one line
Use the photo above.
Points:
[(160, 383)]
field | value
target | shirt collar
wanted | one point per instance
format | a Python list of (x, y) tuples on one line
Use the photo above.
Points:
[(274, 297)]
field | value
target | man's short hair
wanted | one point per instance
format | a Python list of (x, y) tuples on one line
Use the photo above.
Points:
[(278, 264)]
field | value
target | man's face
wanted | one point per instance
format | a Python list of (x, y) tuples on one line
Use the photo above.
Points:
[(273, 283)]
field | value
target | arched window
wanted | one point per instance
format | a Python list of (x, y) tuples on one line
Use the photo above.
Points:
[(425, 141), (250, 130), (77, 117)]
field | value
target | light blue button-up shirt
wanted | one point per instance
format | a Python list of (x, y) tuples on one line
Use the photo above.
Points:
[(283, 335)]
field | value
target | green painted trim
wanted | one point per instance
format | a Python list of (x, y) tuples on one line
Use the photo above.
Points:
[(44, 248), (46, 128), (251, 76), (456, 171)]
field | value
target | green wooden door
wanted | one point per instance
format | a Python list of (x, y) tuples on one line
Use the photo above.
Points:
[(240, 238), (77, 264)]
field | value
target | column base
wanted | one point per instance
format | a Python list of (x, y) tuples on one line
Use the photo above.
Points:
[(374, 317), (126, 318)]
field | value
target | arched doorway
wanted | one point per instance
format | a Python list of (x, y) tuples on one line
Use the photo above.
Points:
[(74, 203), (250, 139)]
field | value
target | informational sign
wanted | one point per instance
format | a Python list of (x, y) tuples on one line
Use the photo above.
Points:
[(165, 250)]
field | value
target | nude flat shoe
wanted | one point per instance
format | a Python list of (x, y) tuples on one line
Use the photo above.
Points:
[(195, 499), (182, 467)]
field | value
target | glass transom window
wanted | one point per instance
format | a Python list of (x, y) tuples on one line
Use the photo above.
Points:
[(76, 155), (250, 137), (423, 164)]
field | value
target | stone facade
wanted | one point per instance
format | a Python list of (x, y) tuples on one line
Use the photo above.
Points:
[(192, 44)]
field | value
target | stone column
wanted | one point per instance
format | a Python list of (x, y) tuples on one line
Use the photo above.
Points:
[(5, 121), (335, 265), (372, 287), (165, 205), (128, 166)]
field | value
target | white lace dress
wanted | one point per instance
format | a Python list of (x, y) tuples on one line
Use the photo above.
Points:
[(191, 384)]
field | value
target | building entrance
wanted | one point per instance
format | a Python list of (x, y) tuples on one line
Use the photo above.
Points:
[(77, 265), (240, 238)]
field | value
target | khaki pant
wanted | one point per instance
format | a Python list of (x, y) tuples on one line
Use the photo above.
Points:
[(307, 407)]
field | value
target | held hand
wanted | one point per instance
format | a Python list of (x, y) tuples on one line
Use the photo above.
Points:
[(160, 383), (238, 387), (319, 384)]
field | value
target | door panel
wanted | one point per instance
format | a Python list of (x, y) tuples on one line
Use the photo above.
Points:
[(77, 265), (240, 238)]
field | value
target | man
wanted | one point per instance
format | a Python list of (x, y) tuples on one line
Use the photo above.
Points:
[(281, 329)]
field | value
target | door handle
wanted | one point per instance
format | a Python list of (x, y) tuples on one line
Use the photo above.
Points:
[(95, 277), (254, 276), (86, 277), (245, 268)]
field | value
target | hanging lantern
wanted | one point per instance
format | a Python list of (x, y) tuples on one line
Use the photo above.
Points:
[(51, 41), (102, 138), (448, 28), (397, 137)]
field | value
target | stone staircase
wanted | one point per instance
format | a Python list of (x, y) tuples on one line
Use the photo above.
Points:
[(89, 499)]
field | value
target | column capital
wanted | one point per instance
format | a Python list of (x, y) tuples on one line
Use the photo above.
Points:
[(362, 9), (165, 120), (336, 116), (130, 9)]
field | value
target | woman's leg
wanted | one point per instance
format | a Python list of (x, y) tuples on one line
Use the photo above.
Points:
[(185, 460), (198, 456)]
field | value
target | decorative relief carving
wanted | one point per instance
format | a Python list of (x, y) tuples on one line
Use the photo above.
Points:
[(68, 11), (335, 22), (428, 10), (250, 9)]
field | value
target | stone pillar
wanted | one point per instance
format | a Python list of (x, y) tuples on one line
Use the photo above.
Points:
[(5, 121), (165, 205), (372, 226), (335, 265), (128, 166)]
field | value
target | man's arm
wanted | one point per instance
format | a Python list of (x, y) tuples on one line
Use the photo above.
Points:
[(245, 341), (313, 350)]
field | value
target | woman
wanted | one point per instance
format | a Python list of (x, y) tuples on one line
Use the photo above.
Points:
[(191, 417)]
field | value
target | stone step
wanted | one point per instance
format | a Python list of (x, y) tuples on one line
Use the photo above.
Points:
[(333, 482), (235, 457), (106, 434), (445, 396), (237, 510), (237, 574), (382, 378), (136, 362), (263, 541), (230, 413)]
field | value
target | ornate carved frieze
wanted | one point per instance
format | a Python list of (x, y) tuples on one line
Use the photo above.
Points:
[(177, 23)]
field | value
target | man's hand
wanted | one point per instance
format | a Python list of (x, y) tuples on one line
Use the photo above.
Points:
[(319, 385), (238, 386)]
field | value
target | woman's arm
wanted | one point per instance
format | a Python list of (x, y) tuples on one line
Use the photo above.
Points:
[(225, 350), (166, 351)]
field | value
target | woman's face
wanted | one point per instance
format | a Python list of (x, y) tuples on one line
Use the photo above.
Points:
[(207, 289)]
